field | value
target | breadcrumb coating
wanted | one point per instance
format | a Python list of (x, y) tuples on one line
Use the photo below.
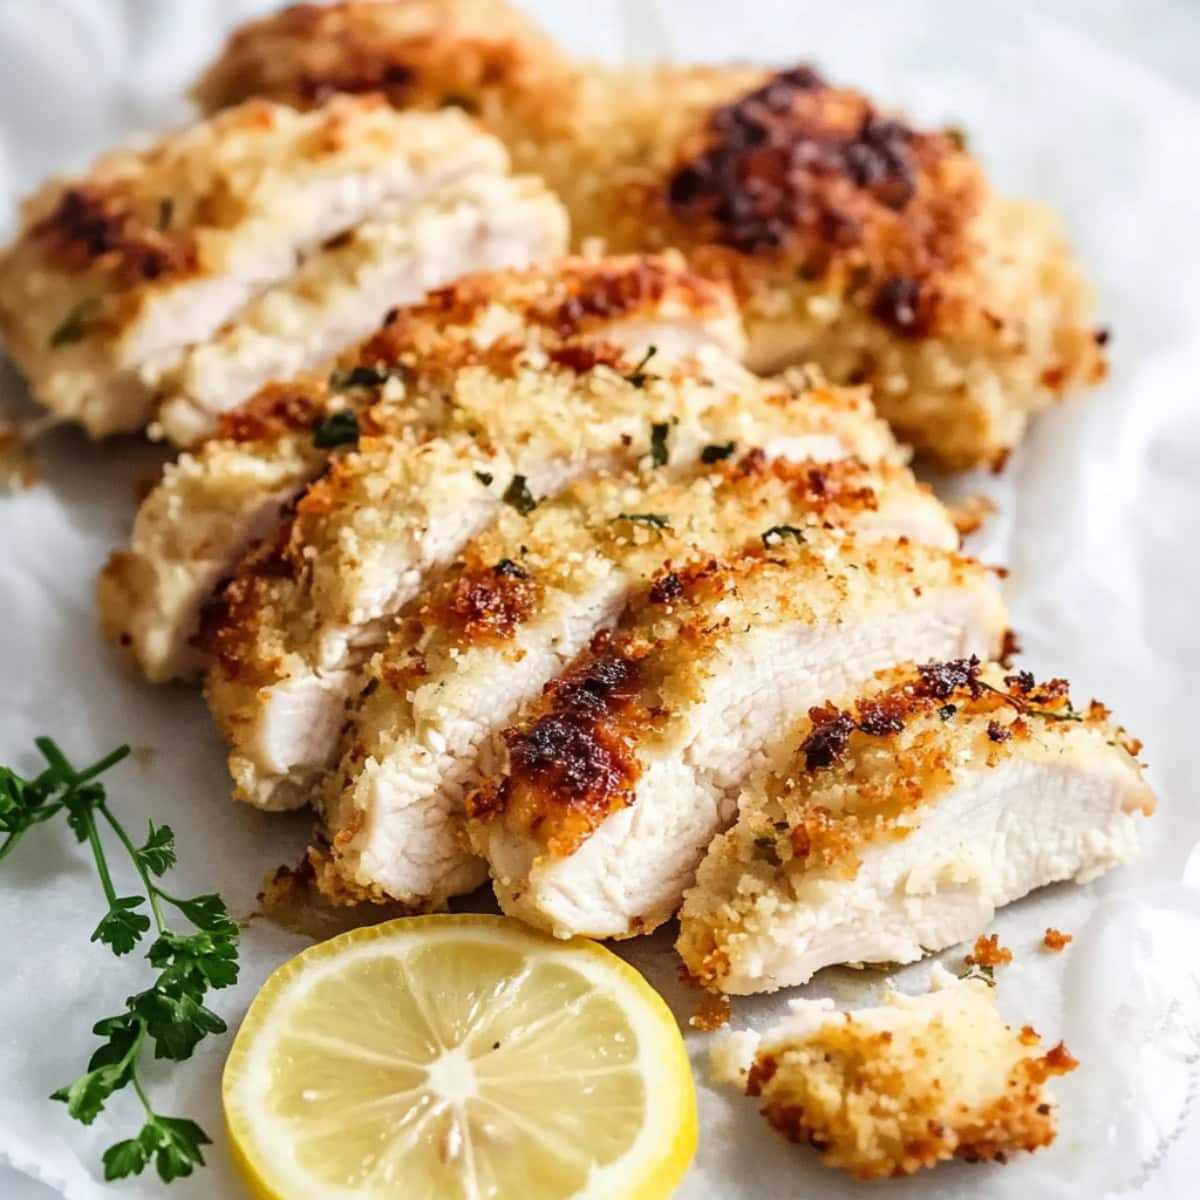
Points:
[(888, 1091)]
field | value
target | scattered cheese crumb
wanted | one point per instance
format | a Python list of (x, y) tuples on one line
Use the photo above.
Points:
[(988, 952)]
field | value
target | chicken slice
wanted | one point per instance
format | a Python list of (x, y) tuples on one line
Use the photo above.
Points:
[(298, 620), (518, 604), (918, 1080), (854, 240), (118, 272), (209, 507), (899, 824), (340, 295), (620, 776)]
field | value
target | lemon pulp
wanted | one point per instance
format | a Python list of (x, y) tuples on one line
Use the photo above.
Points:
[(459, 1057)]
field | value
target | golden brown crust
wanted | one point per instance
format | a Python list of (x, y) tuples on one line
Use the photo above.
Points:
[(424, 54), (810, 175), (1055, 940)]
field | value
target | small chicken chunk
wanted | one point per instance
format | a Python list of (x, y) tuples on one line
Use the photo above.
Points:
[(918, 1080)]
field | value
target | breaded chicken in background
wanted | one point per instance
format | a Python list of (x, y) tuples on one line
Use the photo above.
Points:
[(877, 250)]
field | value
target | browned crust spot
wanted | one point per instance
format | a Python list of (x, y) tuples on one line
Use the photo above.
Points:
[(987, 952), (575, 762), (103, 224), (1055, 940), (484, 602), (274, 411), (802, 173)]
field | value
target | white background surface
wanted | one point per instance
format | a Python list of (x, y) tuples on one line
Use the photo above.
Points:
[(1093, 106)]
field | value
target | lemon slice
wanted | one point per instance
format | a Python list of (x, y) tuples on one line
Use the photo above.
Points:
[(459, 1057)]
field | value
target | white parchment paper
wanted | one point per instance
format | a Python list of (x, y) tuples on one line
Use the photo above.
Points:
[(1099, 523)]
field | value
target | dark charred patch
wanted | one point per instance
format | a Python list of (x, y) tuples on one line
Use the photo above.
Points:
[(576, 763), (96, 225), (831, 730), (1022, 681), (882, 717), (941, 680), (666, 588), (901, 303), (998, 733)]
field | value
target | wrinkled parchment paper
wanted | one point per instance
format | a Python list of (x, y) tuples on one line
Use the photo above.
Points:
[(1099, 522)]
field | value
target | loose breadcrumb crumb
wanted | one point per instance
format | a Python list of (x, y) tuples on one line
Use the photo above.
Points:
[(988, 952), (1055, 939), (711, 1013)]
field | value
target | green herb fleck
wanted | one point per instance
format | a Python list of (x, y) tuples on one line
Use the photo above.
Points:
[(171, 1014), (651, 520), (338, 429), (639, 375), (714, 453), (957, 136), (518, 496), (659, 432), (484, 477), (947, 711), (166, 213), (77, 323), (766, 850), (984, 971), (776, 534), (359, 377)]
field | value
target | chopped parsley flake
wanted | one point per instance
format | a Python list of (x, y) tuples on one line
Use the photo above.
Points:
[(337, 429), (659, 432), (639, 375), (651, 520), (714, 453), (77, 323), (776, 534), (518, 496), (359, 377)]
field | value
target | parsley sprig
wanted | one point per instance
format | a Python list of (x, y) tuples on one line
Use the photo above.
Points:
[(170, 1015)]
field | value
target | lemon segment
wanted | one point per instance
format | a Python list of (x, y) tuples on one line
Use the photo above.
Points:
[(459, 1057)]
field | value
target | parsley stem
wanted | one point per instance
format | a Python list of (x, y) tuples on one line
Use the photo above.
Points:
[(135, 1078), (8, 845), (93, 837), (98, 768), (151, 891)]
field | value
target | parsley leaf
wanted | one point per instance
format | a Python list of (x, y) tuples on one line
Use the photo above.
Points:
[(338, 429), (651, 520), (639, 375), (121, 928), (485, 477), (776, 534), (518, 496), (715, 453), (157, 852), (171, 1013), (359, 377), (659, 454)]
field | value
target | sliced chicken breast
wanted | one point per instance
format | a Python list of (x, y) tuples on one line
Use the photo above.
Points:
[(194, 526), (400, 506), (854, 240), (915, 1081), (621, 775), (118, 272), (901, 822), (519, 603), (340, 295)]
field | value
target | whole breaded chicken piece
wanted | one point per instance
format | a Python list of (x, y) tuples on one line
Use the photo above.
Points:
[(853, 239)]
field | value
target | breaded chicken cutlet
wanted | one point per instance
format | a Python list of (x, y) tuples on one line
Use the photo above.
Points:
[(915, 1081), (853, 240), (213, 504), (518, 604), (247, 247), (898, 823)]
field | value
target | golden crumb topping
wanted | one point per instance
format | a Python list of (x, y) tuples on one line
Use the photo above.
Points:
[(888, 1091), (419, 54), (988, 952)]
